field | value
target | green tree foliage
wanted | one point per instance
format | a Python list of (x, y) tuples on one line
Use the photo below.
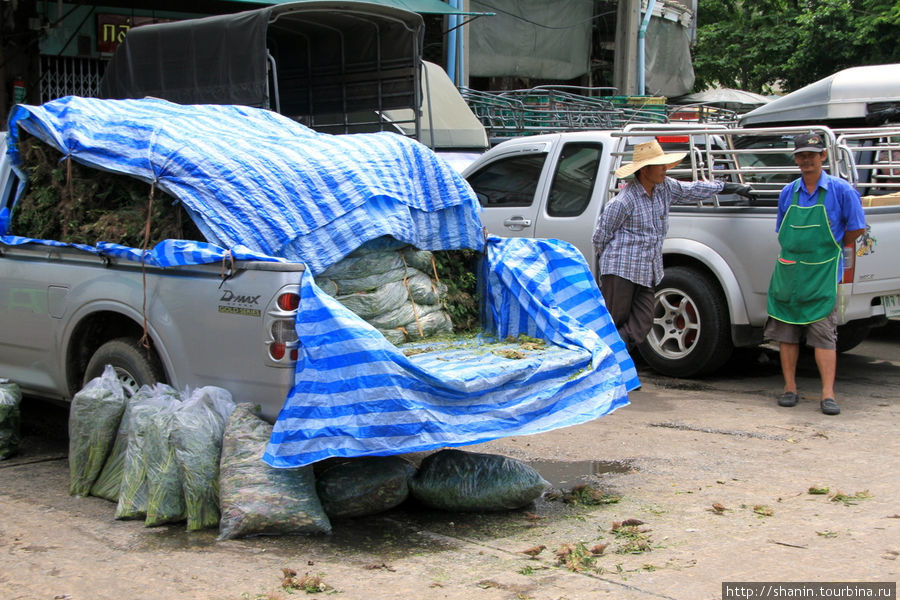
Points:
[(763, 45)]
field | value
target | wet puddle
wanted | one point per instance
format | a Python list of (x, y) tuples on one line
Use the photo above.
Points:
[(565, 474)]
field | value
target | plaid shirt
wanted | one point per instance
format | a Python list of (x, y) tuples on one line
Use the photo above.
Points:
[(629, 234)]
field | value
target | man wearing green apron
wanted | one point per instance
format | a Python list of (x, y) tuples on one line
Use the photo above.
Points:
[(817, 215)]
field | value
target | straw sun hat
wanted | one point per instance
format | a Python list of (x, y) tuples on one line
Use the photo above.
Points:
[(649, 153)]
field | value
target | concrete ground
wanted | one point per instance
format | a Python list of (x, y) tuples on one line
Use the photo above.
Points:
[(718, 475)]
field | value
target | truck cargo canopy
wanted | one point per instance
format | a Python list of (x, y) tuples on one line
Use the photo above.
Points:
[(312, 61), (858, 96)]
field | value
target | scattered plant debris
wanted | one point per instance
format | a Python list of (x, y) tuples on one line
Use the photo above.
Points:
[(510, 353), (584, 495), (575, 557), (848, 500)]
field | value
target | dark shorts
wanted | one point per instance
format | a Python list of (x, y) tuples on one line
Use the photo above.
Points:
[(821, 334)]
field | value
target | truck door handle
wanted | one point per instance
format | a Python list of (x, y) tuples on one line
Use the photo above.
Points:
[(517, 223)]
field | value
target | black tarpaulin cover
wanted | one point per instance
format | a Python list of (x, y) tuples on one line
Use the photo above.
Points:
[(329, 57)]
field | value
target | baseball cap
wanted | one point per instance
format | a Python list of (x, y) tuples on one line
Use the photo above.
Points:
[(808, 142)]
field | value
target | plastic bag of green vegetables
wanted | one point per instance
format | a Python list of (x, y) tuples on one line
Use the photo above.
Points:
[(109, 481), (94, 416), (10, 418), (467, 481), (165, 498), (256, 498), (197, 430), (134, 490), (353, 487)]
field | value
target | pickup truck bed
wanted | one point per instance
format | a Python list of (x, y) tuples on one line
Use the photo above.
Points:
[(55, 323)]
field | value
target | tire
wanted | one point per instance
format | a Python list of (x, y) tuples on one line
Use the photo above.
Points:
[(691, 334), (133, 367), (852, 334)]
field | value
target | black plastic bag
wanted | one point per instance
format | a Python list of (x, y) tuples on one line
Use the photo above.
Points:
[(353, 487), (467, 481)]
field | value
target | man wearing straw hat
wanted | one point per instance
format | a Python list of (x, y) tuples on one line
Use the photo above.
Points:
[(629, 235)]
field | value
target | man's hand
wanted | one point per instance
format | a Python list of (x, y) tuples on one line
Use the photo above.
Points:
[(737, 188)]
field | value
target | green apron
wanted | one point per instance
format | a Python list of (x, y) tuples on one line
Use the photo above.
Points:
[(803, 288)]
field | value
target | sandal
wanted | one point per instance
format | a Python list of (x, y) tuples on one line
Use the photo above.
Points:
[(788, 399), (830, 407)]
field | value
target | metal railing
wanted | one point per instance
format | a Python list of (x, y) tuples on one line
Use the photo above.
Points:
[(69, 76)]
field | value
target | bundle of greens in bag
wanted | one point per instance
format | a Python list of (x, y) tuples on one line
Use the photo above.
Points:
[(197, 429), (353, 487), (94, 417), (387, 283), (110, 479), (10, 418), (165, 498), (134, 491), (467, 481), (256, 498)]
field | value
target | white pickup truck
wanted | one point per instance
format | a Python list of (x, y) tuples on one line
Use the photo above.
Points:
[(718, 255), (68, 312)]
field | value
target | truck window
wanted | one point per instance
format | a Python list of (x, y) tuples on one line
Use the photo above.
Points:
[(574, 179), (508, 181)]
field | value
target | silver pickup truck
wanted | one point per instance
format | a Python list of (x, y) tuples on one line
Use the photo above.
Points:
[(719, 255), (86, 310)]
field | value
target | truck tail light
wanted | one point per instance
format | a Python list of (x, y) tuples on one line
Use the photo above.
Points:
[(278, 350), (283, 336), (289, 302), (282, 342)]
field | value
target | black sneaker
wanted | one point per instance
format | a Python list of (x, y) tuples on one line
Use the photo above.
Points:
[(788, 399), (830, 407)]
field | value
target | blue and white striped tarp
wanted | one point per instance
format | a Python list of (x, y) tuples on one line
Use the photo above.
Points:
[(253, 177), (167, 253), (355, 394), (265, 188), (543, 288)]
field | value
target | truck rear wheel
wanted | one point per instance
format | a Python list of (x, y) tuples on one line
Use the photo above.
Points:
[(690, 333), (852, 334), (133, 366)]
